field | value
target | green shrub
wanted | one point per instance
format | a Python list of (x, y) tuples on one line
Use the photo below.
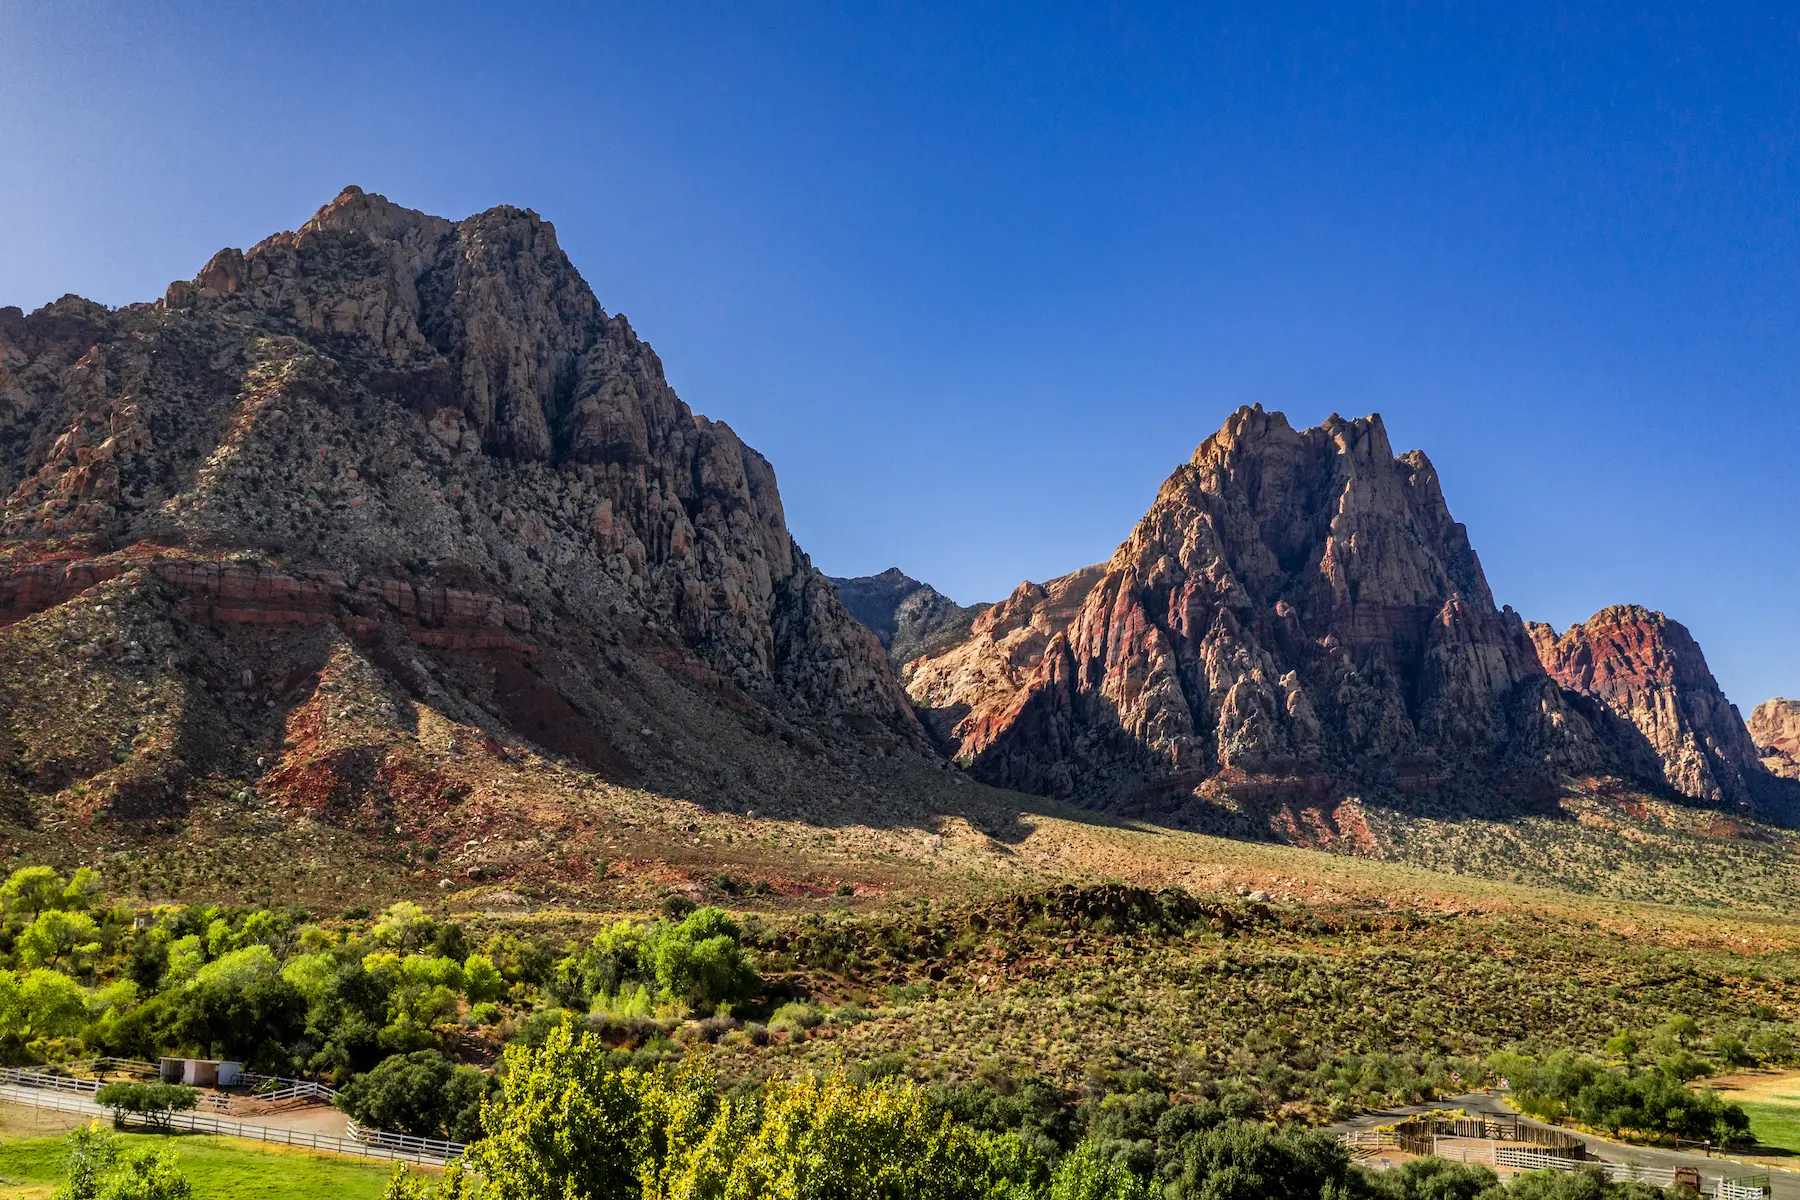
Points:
[(95, 1168), (794, 1016)]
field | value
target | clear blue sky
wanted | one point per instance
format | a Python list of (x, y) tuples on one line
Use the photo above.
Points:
[(976, 277)]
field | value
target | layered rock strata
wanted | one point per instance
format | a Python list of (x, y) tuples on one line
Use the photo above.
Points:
[(387, 421)]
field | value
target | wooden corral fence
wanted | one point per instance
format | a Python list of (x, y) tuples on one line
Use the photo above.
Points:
[(1521, 1146)]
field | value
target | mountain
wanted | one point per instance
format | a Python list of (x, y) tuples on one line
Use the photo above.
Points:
[(908, 617), (1661, 709), (1775, 728), (1296, 615), (1298, 625), (380, 490)]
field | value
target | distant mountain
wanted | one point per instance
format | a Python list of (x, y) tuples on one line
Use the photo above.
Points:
[(389, 461), (1663, 713), (1775, 728), (1298, 622), (908, 617)]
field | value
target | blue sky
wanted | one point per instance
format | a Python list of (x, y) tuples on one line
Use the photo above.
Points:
[(975, 277)]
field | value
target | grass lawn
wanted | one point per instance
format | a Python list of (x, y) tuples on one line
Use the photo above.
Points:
[(1775, 1124), (219, 1168)]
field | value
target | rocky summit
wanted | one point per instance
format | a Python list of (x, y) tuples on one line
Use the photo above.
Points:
[(386, 523), (1298, 623), (387, 479), (1659, 707), (908, 617), (1775, 728)]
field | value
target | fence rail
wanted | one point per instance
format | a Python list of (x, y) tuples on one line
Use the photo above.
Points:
[(280, 1087), (1534, 1155), (393, 1147), (1749, 1187), (406, 1143), (25, 1077)]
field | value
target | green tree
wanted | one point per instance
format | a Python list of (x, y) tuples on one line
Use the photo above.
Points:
[(1242, 1160), (152, 1173), (69, 940), (150, 1102), (829, 1139), (423, 1094), (700, 962), (29, 891), (563, 1124), (88, 1155), (1088, 1174), (39, 1004), (481, 980)]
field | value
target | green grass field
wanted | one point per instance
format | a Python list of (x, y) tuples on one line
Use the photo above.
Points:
[(219, 1169), (1775, 1124)]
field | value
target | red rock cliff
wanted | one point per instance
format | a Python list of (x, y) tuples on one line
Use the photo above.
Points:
[(1295, 603), (1648, 672)]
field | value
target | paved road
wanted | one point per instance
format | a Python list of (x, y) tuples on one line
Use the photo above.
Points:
[(1784, 1184)]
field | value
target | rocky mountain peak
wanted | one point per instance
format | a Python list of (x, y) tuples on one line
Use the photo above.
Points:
[(1775, 729), (1297, 605), (1650, 673), (429, 436), (908, 617)]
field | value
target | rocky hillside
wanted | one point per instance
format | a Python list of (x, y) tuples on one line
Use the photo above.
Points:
[(1775, 728), (1660, 710), (387, 473), (908, 617), (1297, 615)]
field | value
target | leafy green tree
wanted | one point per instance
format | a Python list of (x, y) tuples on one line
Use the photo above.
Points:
[(1247, 1161), (152, 1173), (29, 891), (89, 1154), (1433, 1179), (39, 1004), (481, 980), (68, 940), (240, 1007), (1088, 1173), (151, 1103), (700, 961), (404, 926), (423, 1094), (829, 1139), (563, 1124)]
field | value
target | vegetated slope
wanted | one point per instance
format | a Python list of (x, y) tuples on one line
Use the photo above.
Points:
[(1775, 728), (387, 492), (910, 618), (1298, 628)]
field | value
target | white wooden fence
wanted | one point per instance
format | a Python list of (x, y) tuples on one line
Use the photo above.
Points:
[(76, 1096)]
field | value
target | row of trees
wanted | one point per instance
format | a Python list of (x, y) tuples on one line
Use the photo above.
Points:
[(566, 1127), (287, 994), (1650, 1101)]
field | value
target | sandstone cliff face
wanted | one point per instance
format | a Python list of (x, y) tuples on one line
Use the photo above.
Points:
[(908, 617), (1775, 729), (1297, 610), (429, 434), (1670, 716)]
